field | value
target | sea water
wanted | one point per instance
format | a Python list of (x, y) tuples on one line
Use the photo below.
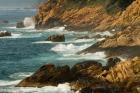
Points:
[(26, 50)]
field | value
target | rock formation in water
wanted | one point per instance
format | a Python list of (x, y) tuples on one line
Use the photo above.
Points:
[(4, 33), (56, 38), (125, 43), (20, 25), (123, 77), (90, 76)]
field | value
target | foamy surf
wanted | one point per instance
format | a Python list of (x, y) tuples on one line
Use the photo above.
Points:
[(89, 56), (69, 48), (58, 29), (67, 42), (29, 22), (61, 88), (8, 83), (20, 75), (106, 33)]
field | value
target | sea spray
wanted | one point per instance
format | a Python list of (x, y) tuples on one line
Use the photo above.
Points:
[(29, 22), (61, 88), (69, 48)]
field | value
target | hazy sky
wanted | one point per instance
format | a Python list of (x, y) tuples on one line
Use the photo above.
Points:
[(17, 3)]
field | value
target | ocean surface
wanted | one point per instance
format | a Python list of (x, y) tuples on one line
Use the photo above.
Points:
[(26, 50)]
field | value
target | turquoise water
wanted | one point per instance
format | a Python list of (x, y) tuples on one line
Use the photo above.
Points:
[(26, 50)]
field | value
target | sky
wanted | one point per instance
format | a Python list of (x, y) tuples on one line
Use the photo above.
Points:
[(18, 3)]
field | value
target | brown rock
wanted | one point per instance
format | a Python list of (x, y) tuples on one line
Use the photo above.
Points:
[(87, 69), (125, 44), (47, 75), (56, 38), (20, 25), (124, 72), (4, 33), (112, 62)]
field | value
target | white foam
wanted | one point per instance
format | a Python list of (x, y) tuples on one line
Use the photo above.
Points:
[(16, 35), (67, 42), (61, 88), (83, 40), (58, 29), (11, 27), (29, 22), (69, 48), (89, 56), (7, 83), (20, 75), (106, 33), (100, 39)]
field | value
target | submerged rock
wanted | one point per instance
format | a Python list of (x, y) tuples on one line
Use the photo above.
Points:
[(20, 25), (3, 21), (56, 38), (4, 33)]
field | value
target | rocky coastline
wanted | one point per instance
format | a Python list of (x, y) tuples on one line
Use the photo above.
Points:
[(118, 76)]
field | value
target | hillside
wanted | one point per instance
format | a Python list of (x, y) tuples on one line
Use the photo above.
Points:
[(88, 14)]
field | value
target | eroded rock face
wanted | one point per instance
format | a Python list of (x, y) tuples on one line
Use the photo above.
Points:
[(4, 33), (50, 23), (89, 76), (52, 75), (125, 44), (87, 69), (20, 25), (112, 62), (127, 71), (47, 75), (56, 38)]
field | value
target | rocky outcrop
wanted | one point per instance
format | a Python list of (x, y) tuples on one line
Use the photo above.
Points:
[(52, 75), (89, 15), (87, 69), (89, 76), (20, 25), (112, 62), (125, 44), (4, 33), (125, 74), (48, 75), (56, 38)]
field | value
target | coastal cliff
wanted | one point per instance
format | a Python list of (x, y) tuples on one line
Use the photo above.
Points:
[(94, 15)]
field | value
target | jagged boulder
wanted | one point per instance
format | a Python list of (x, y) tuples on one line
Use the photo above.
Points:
[(47, 75), (4, 33), (52, 75), (56, 38), (127, 71), (112, 62), (20, 25), (87, 69)]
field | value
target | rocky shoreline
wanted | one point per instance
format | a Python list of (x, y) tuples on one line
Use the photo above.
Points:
[(90, 76), (117, 77)]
